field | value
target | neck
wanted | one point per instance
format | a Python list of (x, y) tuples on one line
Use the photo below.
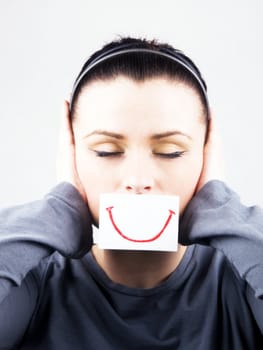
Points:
[(138, 269)]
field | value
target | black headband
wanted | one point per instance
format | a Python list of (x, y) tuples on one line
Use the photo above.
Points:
[(124, 49)]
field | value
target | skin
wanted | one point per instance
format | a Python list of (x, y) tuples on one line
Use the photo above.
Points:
[(151, 147)]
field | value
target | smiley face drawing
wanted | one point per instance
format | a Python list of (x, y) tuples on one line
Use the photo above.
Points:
[(157, 235), (138, 222)]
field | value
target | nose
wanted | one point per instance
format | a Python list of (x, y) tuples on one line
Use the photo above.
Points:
[(137, 188), (138, 177)]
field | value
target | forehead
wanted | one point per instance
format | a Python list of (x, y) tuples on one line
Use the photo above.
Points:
[(154, 103)]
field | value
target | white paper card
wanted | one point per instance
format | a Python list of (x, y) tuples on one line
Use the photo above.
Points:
[(138, 222)]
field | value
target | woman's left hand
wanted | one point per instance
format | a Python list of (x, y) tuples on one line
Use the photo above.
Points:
[(213, 165)]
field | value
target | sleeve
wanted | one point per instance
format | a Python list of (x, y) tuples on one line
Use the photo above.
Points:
[(29, 233), (216, 217)]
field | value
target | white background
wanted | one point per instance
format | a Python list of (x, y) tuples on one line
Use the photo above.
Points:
[(44, 43)]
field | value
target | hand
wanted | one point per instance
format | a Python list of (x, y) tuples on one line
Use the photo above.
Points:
[(213, 165), (66, 161)]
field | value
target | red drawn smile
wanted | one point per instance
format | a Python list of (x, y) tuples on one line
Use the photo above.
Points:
[(171, 213)]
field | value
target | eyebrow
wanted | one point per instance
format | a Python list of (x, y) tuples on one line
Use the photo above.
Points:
[(170, 133), (153, 137), (106, 133)]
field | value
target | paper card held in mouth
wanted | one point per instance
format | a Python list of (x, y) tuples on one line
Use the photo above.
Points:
[(138, 222)]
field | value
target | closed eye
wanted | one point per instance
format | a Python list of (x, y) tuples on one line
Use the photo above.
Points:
[(170, 155), (108, 154)]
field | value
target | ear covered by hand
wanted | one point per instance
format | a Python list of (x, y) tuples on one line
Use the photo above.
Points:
[(213, 165), (66, 161)]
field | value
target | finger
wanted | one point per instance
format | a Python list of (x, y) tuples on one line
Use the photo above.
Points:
[(213, 140), (66, 133), (66, 149), (210, 127), (214, 149)]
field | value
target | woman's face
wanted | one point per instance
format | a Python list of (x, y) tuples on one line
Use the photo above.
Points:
[(142, 138)]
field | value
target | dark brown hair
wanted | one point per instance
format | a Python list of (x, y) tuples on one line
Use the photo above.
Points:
[(140, 66)]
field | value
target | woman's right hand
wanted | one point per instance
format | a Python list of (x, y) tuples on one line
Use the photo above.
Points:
[(66, 160)]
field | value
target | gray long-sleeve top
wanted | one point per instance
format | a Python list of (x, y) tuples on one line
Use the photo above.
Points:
[(53, 295)]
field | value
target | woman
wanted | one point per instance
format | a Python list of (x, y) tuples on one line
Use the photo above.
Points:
[(138, 122)]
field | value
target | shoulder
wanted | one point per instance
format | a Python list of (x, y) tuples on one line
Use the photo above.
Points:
[(213, 266)]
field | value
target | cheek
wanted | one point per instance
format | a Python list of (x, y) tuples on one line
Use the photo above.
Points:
[(94, 179), (184, 179)]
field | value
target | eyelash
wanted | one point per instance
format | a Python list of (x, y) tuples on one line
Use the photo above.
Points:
[(161, 155), (172, 155), (108, 154)]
